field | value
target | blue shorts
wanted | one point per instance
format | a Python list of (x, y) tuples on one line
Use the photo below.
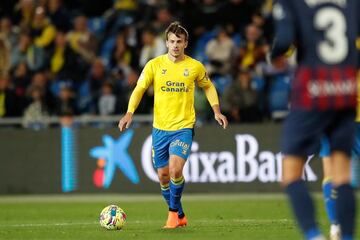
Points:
[(303, 130), (166, 143)]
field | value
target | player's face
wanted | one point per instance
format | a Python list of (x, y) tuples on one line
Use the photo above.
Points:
[(176, 45)]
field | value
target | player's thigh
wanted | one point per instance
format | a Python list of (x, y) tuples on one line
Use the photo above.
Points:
[(160, 148), (180, 143), (302, 132), (179, 150), (176, 166)]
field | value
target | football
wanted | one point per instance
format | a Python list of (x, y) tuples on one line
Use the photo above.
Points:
[(112, 217)]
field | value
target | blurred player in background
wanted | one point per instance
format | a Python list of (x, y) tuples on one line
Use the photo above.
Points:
[(323, 100), (173, 76)]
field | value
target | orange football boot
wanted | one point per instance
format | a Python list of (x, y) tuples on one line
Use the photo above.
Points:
[(172, 221), (182, 222)]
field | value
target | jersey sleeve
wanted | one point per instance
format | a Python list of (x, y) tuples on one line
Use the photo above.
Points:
[(202, 78), (147, 76), (145, 80), (284, 28), (205, 83)]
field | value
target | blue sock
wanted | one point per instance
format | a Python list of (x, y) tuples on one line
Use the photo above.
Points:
[(345, 210), (329, 196), (165, 191), (303, 208), (176, 189)]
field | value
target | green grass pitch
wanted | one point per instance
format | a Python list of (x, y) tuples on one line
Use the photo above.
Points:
[(233, 216)]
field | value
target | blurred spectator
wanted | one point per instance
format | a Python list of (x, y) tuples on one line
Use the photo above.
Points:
[(107, 100), (26, 51), (64, 62), (82, 41), (40, 80), (121, 87), (24, 13), (122, 14), (21, 79), (42, 29), (207, 16), (9, 32), (185, 12), (36, 115), (264, 23), (122, 55), (4, 56), (59, 16), (220, 52), (162, 21), (253, 48), (277, 86), (97, 77), (8, 102), (240, 101), (66, 103), (203, 109), (153, 46), (237, 13), (91, 89)]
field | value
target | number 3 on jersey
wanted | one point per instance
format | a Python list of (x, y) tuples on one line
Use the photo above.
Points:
[(334, 48)]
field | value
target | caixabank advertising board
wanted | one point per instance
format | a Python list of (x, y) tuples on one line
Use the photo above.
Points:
[(243, 158)]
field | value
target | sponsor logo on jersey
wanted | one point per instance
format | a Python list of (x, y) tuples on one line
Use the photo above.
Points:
[(172, 86)]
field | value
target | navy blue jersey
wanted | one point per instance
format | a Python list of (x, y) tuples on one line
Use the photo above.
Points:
[(324, 33)]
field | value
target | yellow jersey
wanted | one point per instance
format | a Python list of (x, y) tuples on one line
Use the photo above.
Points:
[(174, 87)]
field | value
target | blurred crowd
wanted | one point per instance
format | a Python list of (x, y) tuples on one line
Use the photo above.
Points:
[(83, 57)]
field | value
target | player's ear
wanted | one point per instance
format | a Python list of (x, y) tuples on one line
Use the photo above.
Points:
[(167, 43), (186, 43)]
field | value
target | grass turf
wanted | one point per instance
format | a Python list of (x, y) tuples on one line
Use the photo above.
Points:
[(235, 216)]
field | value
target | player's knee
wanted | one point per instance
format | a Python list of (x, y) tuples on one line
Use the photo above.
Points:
[(287, 179), (164, 178), (175, 172)]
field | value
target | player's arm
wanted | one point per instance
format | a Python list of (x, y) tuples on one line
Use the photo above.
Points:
[(210, 91), (284, 30), (144, 81)]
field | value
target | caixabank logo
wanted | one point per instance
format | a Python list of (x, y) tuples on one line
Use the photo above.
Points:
[(113, 156), (244, 164)]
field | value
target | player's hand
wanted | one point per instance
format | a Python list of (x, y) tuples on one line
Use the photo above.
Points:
[(125, 121), (222, 120)]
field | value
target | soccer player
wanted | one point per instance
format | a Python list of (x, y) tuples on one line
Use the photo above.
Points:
[(173, 76), (323, 100)]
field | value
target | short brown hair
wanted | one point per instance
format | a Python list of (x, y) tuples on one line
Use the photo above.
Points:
[(176, 29)]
